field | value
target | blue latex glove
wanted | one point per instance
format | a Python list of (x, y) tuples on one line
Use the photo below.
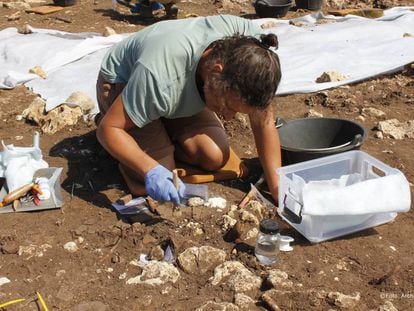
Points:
[(160, 186)]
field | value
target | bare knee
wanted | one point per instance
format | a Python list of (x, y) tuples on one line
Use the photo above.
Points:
[(213, 158)]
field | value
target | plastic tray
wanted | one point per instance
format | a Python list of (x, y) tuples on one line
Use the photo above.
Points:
[(321, 228)]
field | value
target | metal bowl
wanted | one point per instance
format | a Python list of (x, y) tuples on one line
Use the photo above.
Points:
[(272, 8)]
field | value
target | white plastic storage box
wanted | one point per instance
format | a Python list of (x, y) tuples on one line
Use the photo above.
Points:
[(340, 194)]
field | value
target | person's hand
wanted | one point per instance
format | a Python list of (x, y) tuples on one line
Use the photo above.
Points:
[(159, 185)]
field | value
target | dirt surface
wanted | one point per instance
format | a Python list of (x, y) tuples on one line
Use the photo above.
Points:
[(376, 263)]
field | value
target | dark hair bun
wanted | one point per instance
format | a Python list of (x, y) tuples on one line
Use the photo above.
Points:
[(270, 39)]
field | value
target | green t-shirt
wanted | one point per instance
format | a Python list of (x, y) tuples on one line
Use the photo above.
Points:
[(159, 65)]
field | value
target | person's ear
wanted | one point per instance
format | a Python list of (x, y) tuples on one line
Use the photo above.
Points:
[(218, 67)]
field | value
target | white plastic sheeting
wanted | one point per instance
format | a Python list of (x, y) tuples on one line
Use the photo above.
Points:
[(359, 48), (356, 47)]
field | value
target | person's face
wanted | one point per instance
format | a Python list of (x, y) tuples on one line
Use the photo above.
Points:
[(225, 104)]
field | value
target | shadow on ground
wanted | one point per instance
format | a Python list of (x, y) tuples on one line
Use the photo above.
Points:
[(92, 172), (135, 19)]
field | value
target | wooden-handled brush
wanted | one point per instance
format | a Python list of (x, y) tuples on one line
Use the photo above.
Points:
[(16, 194), (177, 187)]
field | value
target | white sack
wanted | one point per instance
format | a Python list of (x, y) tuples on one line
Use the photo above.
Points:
[(350, 195)]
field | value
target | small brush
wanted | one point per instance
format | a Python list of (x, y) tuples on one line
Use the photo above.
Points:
[(176, 207)]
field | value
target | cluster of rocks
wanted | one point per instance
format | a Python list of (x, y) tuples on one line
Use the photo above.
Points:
[(384, 127), (77, 105)]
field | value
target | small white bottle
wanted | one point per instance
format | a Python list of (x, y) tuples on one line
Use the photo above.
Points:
[(267, 243), (44, 187)]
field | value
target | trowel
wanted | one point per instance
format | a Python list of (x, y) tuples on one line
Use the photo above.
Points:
[(196, 190)]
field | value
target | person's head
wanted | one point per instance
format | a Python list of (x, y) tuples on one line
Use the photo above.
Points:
[(244, 73)]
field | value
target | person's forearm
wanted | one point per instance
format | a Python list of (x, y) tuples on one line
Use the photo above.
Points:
[(124, 148), (268, 148)]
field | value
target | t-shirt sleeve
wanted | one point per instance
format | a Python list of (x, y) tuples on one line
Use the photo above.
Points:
[(143, 98), (244, 26)]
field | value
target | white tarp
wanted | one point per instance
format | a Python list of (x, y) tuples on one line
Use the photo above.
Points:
[(356, 47)]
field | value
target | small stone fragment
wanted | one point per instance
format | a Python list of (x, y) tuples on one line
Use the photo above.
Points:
[(149, 239), (71, 247), (156, 253), (251, 234), (295, 23), (17, 5), (156, 273), (244, 302), (82, 100), (360, 118), (14, 17), (195, 201), (227, 222), (331, 76), (10, 248), (344, 301), (199, 260), (243, 119), (59, 273), (373, 112), (38, 71), (216, 202), (313, 114), (269, 24), (25, 29), (33, 250), (387, 306), (278, 278), (379, 135), (108, 32), (4, 280), (237, 277)]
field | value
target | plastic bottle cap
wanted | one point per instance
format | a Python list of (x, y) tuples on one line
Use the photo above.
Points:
[(269, 226), (284, 245)]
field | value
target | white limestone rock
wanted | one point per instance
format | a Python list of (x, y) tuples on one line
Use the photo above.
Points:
[(199, 260), (373, 112), (82, 100), (156, 273), (331, 76), (278, 278), (344, 301), (53, 121), (396, 129), (237, 277), (244, 302), (71, 247)]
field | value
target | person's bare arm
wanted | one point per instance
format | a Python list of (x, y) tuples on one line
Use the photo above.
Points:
[(113, 136), (268, 146)]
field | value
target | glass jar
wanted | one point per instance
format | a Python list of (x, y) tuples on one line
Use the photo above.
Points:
[(267, 243)]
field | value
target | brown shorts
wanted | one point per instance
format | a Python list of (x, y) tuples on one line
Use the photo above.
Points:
[(157, 138)]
